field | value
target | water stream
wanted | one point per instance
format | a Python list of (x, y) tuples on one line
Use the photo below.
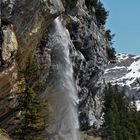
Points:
[(61, 91)]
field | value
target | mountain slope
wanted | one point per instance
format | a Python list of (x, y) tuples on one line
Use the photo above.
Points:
[(126, 73)]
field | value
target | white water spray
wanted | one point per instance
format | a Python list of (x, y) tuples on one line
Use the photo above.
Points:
[(61, 90)]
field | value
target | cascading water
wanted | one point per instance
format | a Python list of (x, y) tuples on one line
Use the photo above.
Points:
[(61, 91)]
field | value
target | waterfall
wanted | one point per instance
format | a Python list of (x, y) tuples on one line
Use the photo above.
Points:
[(61, 91)]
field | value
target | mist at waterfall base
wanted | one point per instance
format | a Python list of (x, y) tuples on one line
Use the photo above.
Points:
[(61, 92)]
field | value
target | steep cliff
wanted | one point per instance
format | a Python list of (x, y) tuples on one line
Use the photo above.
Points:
[(69, 61), (23, 24), (89, 61)]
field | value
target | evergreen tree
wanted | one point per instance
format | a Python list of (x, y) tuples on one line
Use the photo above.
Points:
[(32, 120), (100, 12), (120, 116)]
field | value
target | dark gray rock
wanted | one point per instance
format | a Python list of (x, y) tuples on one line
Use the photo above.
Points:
[(89, 62)]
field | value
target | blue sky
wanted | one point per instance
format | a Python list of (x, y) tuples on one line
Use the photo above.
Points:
[(124, 21)]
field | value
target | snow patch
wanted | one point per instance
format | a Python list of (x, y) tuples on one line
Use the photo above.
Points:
[(137, 105), (122, 57), (74, 18), (134, 73), (114, 68), (135, 57)]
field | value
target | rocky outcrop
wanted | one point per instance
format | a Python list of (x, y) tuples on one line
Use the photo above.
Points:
[(26, 32), (89, 62), (29, 19), (9, 45)]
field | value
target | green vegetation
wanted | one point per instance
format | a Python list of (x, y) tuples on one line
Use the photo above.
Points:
[(32, 119), (70, 4), (101, 16), (100, 12), (111, 54), (122, 121), (109, 36), (91, 3)]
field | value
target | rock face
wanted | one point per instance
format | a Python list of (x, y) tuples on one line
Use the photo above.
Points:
[(27, 31), (30, 19), (23, 24), (89, 62), (126, 73)]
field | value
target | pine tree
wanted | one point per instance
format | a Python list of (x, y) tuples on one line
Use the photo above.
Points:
[(120, 116), (32, 120)]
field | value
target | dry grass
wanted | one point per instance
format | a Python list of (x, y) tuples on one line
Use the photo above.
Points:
[(3, 135), (86, 137)]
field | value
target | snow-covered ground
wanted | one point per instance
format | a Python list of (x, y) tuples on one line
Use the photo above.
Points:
[(125, 72), (130, 72), (133, 74)]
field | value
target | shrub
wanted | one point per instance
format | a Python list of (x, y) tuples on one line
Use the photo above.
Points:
[(91, 3), (70, 4), (32, 120), (100, 12), (109, 36), (111, 54)]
